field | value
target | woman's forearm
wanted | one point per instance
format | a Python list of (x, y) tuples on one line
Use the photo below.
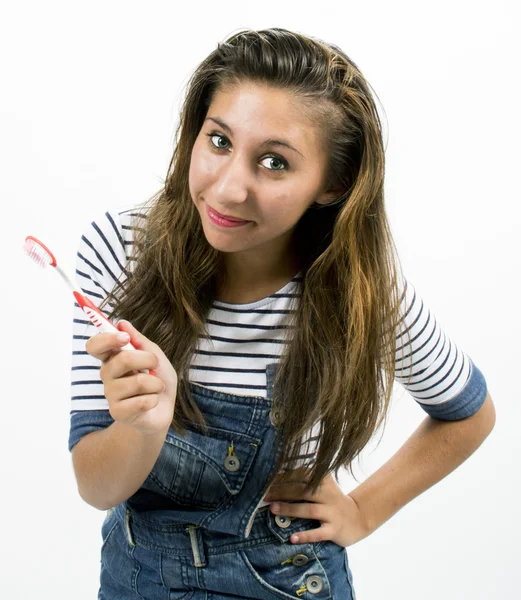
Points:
[(433, 451), (112, 463)]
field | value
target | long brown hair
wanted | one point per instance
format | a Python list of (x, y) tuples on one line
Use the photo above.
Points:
[(338, 368)]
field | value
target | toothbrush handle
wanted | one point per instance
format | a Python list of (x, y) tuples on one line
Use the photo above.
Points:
[(101, 321)]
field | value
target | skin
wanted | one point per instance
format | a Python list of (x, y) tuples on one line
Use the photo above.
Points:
[(272, 186), (341, 520)]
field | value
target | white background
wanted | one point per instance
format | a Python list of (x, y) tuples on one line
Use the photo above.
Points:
[(88, 109)]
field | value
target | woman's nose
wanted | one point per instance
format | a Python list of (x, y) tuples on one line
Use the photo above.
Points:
[(233, 181)]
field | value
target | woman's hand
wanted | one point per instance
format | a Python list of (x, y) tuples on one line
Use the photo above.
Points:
[(140, 400), (341, 520)]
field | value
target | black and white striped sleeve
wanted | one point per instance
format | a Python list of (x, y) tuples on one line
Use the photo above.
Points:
[(101, 261), (442, 379)]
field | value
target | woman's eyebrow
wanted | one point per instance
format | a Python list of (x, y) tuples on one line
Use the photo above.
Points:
[(268, 142)]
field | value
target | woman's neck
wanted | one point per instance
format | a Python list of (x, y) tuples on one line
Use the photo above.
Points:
[(254, 291), (240, 287)]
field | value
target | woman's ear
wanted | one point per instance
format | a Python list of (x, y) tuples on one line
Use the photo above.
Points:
[(330, 195)]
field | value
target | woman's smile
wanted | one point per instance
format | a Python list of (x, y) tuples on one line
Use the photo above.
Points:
[(222, 220)]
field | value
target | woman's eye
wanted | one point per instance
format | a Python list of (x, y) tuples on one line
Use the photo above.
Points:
[(278, 161), (212, 135)]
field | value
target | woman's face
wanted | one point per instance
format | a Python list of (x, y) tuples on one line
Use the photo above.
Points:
[(239, 170)]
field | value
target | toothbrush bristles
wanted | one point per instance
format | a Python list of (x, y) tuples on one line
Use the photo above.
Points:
[(37, 253)]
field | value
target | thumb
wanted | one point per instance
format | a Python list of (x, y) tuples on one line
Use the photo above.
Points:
[(137, 339)]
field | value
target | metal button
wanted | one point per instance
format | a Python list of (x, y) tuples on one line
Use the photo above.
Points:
[(275, 416), (232, 463), (299, 560), (314, 584), (283, 521)]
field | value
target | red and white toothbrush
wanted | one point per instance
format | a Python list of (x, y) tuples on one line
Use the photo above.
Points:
[(42, 256)]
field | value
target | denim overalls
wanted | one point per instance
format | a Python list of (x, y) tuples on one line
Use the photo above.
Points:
[(194, 531)]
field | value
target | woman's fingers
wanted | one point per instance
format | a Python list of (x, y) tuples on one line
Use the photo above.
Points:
[(127, 361), (134, 394), (300, 510), (103, 345), (140, 383)]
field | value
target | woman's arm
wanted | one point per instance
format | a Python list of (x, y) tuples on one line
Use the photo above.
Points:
[(433, 451)]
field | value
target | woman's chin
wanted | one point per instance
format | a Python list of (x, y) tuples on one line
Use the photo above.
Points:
[(224, 241), (221, 245)]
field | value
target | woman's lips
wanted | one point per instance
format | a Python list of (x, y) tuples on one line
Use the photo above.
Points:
[(223, 221), (226, 216)]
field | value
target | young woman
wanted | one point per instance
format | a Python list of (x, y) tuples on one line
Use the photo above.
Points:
[(262, 288)]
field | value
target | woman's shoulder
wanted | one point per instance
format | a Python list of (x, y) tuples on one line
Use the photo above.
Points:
[(107, 239), (108, 227)]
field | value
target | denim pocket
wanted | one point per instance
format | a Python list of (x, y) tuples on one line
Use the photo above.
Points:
[(119, 570), (202, 471), (288, 570), (334, 559), (108, 527)]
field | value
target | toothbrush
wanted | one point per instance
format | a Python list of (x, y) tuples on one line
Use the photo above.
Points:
[(42, 256)]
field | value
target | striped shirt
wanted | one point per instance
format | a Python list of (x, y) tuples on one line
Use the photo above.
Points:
[(438, 375)]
